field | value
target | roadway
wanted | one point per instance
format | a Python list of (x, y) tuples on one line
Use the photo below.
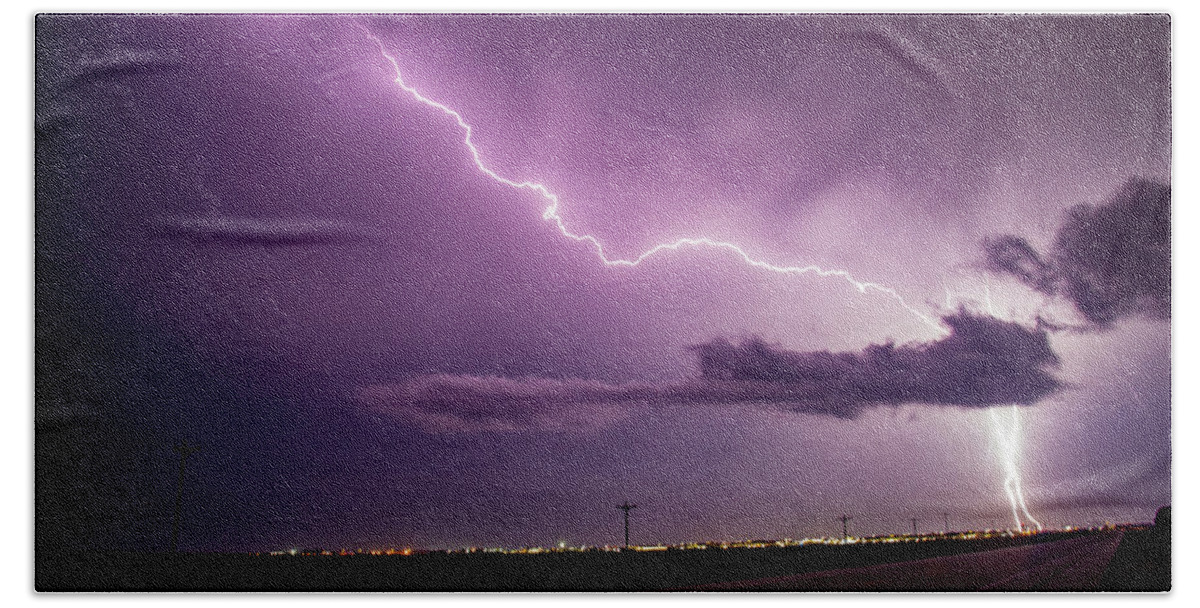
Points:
[(1075, 564)]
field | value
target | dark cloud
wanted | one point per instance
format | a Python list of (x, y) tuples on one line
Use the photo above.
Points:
[(459, 403), (1111, 261), (983, 362), (1014, 255), (250, 231)]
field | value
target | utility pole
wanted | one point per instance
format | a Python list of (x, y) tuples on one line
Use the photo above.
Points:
[(184, 451), (626, 508), (914, 522), (845, 533), (946, 521)]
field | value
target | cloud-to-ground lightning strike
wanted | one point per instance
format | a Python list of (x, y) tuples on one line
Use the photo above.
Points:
[(1008, 438), (550, 214)]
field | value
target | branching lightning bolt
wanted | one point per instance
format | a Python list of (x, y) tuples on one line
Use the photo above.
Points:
[(1008, 437), (551, 214)]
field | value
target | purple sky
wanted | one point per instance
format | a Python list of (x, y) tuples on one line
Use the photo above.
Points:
[(250, 236)]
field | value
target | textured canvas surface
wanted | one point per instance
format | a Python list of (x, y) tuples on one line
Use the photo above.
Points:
[(850, 302)]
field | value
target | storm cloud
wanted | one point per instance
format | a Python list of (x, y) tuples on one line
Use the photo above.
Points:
[(196, 172), (982, 362), (1111, 261), (249, 231)]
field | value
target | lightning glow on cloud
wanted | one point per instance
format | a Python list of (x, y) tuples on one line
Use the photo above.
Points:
[(1007, 435), (551, 214)]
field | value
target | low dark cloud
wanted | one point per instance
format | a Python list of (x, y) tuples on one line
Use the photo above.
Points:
[(462, 403), (1111, 261), (983, 362), (250, 231)]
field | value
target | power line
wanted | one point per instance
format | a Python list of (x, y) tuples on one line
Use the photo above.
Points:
[(626, 508)]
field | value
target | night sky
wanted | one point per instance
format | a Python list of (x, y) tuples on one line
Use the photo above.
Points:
[(251, 236)]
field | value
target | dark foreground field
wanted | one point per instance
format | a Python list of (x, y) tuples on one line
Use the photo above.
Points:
[(1134, 560)]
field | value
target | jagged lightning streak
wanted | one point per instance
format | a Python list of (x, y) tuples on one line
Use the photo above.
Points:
[(550, 214), (1008, 438)]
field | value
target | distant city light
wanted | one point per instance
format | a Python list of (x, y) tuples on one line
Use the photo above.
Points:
[(562, 546)]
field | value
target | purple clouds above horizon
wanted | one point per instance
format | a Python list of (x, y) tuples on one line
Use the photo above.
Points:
[(1110, 261), (982, 362), (249, 236), (244, 231)]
